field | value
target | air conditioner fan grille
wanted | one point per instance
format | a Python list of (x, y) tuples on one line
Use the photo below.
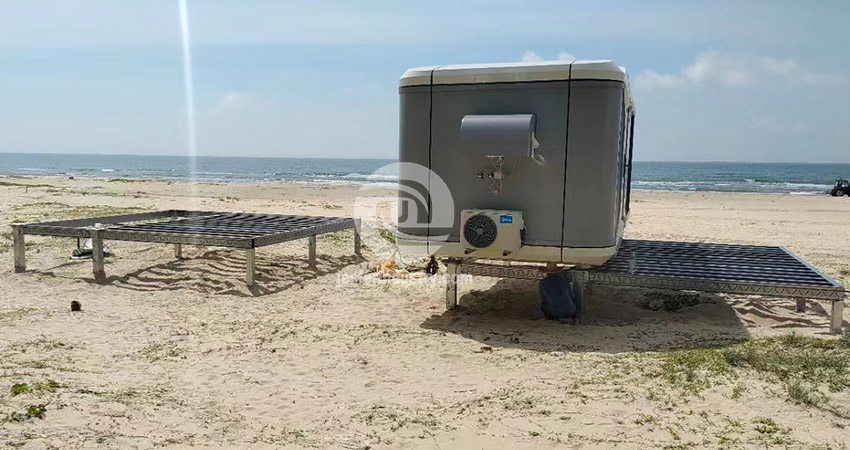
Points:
[(480, 231)]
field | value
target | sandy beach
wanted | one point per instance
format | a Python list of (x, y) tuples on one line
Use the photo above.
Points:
[(182, 354)]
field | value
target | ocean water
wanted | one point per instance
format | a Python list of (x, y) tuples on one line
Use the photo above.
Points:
[(789, 178)]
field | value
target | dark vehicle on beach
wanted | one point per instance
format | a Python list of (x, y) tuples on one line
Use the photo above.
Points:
[(842, 187)]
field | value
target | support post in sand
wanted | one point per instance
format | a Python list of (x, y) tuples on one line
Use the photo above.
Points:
[(801, 305), (249, 266), (20, 248), (581, 281), (178, 251), (357, 237), (451, 284), (97, 255), (837, 317), (311, 248)]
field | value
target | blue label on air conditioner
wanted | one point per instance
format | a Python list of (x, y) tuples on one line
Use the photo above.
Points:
[(506, 219)]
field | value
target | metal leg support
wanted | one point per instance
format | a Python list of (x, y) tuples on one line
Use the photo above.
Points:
[(581, 282), (20, 248), (97, 255), (249, 267), (451, 285), (801, 305), (178, 251), (357, 237), (311, 248), (837, 318)]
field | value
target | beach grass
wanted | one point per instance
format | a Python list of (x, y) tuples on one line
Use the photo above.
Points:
[(808, 367)]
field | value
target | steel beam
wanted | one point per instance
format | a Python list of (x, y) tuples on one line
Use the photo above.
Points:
[(250, 266), (357, 237), (308, 230), (97, 255), (836, 321), (178, 251), (20, 248), (117, 234), (311, 249), (451, 284), (582, 290)]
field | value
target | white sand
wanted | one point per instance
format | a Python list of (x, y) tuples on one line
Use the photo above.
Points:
[(181, 354)]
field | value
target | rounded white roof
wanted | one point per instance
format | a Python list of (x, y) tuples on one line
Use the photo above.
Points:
[(514, 72)]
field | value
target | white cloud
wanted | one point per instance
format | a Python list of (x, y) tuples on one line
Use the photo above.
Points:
[(652, 79), (530, 56), (708, 67), (716, 68)]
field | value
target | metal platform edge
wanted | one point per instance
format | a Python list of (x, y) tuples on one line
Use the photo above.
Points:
[(86, 228), (588, 276)]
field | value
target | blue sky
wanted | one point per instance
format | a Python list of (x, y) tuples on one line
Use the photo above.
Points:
[(712, 81)]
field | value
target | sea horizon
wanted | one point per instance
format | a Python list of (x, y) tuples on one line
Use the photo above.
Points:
[(396, 159), (678, 176)]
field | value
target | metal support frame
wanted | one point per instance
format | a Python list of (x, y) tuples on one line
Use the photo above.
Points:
[(311, 250), (250, 266), (582, 290), (733, 269), (97, 255), (20, 248), (836, 321), (357, 237), (223, 229), (451, 284)]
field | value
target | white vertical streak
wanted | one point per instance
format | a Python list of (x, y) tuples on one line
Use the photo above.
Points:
[(189, 88)]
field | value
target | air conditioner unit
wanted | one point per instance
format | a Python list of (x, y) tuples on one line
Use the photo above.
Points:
[(487, 232)]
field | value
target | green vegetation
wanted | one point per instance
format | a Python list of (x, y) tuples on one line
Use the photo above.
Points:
[(336, 237), (127, 180), (159, 351), (327, 205), (695, 370), (804, 365), (770, 431), (19, 388), (670, 301), (16, 313), (13, 184), (37, 387), (643, 419), (387, 235), (33, 411)]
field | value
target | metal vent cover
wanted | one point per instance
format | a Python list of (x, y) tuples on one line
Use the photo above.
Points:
[(480, 231)]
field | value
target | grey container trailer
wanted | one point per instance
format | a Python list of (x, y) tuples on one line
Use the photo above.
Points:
[(543, 150)]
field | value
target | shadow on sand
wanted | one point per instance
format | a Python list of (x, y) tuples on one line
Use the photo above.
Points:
[(614, 320), (222, 272)]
